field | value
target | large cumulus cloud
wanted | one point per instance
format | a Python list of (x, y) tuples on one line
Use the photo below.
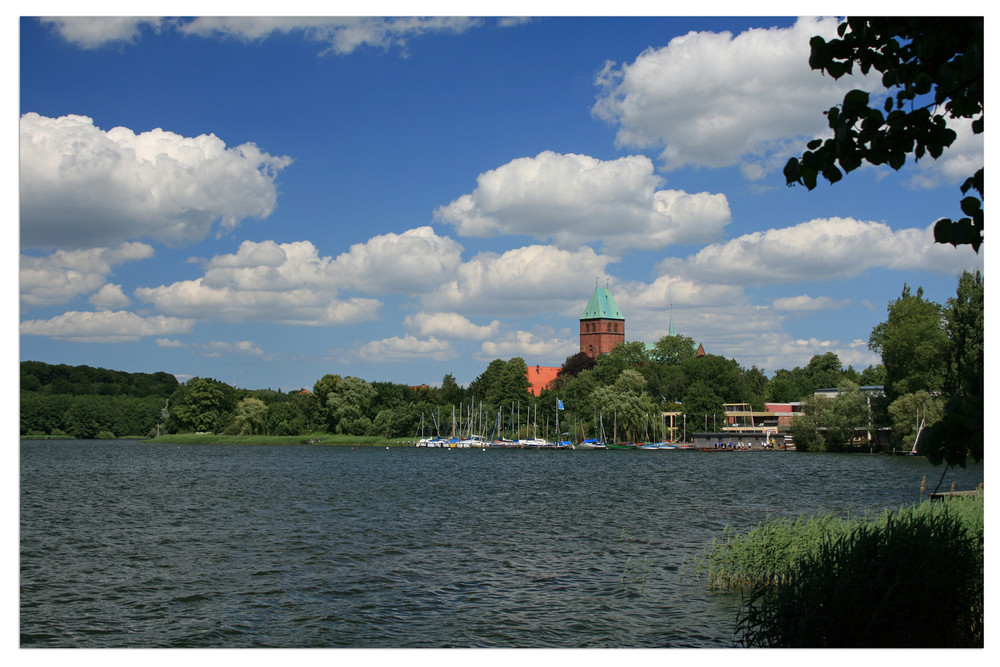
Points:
[(714, 100), (577, 199), (83, 187), (820, 249)]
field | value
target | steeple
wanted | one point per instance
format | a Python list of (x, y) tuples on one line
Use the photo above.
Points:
[(672, 320), (602, 325), (602, 305)]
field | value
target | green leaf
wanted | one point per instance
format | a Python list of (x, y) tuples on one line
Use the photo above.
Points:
[(922, 84), (792, 171), (814, 144), (832, 174), (970, 206), (837, 69), (942, 231), (855, 101), (819, 55)]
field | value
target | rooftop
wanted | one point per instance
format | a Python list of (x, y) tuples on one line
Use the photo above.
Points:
[(602, 305)]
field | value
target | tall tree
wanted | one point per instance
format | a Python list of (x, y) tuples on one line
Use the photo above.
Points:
[(348, 405), (959, 434), (934, 65), (501, 383), (914, 345), (251, 416), (673, 350), (203, 404)]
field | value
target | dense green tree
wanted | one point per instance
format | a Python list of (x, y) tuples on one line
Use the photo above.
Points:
[(627, 403), (673, 350), (609, 366), (577, 396), (80, 380), (932, 69), (872, 376), (723, 375), (575, 364), (502, 383), (285, 418), (825, 371), (913, 344), (704, 406), (754, 383), (789, 386), (347, 406), (251, 417), (908, 411), (451, 393), (202, 405), (959, 434), (832, 424)]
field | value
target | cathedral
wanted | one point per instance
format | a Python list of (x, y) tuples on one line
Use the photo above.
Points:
[(602, 325)]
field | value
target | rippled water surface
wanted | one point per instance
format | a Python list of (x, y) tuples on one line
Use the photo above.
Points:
[(142, 545)]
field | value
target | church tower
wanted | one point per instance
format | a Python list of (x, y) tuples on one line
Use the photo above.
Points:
[(602, 326)]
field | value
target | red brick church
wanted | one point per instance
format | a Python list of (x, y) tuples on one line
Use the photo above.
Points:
[(602, 327)]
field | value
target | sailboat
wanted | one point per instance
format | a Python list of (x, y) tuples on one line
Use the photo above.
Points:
[(916, 439), (591, 443), (615, 444)]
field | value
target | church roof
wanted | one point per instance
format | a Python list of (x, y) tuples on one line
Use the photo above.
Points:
[(602, 305), (541, 377)]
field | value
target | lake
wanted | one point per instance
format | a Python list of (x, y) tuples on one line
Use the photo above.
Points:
[(132, 544)]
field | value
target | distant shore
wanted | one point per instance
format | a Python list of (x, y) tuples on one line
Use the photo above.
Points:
[(216, 439)]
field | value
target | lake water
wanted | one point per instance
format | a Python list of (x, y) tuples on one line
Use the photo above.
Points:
[(130, 544)]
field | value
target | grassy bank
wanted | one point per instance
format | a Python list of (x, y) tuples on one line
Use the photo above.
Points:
[(307, 439)]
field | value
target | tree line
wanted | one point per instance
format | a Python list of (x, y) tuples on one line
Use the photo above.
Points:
[(931, 371)]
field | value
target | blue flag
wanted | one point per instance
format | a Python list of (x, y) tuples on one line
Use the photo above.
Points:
[(559, 405)]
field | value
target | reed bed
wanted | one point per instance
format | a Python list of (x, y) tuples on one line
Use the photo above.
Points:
[(767, 553), (909, 578)]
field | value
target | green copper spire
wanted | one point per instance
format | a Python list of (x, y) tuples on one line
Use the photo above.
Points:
[(602, 305), (672, 320)]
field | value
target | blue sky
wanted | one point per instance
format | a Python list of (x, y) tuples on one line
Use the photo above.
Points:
[(264, 201)]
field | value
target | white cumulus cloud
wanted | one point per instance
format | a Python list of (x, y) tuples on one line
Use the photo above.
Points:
[(110, 297), (63, 275), (304, 306), (91, 32), (577, 199), (82, 187), (714, 100), (343, 35), (820, 249), (413, 262), (806, 302), (105, 326), (405, 349), (530, 347), (449, 325), (520, 282)]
